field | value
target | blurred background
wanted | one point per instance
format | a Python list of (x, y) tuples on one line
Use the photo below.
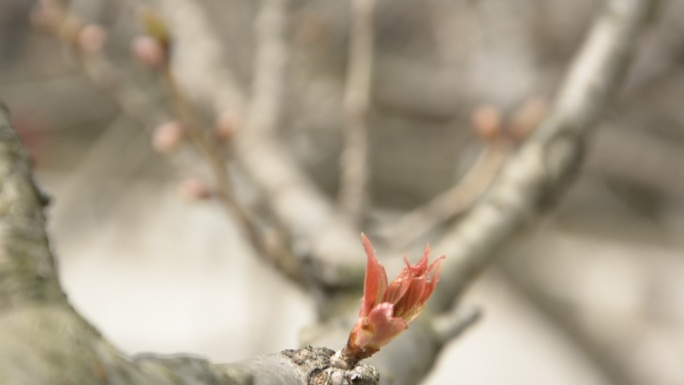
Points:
[(592, 295)]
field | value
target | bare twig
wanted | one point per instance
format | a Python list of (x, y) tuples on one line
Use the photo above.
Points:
[(262, 115), (500, 140), (549, 159), (99, 69), (207, 148), (264, 107), (452, 202), (354, 159), (133, 102), (310, 219)]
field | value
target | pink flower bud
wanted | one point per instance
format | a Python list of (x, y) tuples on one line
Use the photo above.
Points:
[(195, 189), (388, 308), (167, 137), (92, 38), (225, 127), (486, 122), (149, 52)]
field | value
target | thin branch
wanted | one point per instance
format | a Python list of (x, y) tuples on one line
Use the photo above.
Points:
[(538, 171), (98, 67), (262, 115), (133, 102), (500, 141), (327, 240), (210, 151), (545, 164), (354, 159), (264, 110), (452, 202)]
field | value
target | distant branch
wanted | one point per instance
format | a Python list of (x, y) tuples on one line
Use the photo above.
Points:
[(452, 202), (547, 161), (327, 241), (354, 159)]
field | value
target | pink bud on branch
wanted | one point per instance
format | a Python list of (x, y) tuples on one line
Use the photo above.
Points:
[(150, 52), (92, 38), (388, 308), (168, 137)]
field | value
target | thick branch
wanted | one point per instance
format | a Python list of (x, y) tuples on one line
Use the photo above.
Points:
[(27, 273), (550, 158)]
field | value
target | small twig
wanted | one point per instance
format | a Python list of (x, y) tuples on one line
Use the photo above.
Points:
[(207, 148), (269, 246), (500, 138), (264, 109), (327, 241), (99, 69), (452, 202), (272, 248), (354, 158)]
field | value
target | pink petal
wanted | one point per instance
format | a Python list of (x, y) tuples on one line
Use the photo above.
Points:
[(436, 265), (434, 268), (399, 286), (423, 263), (375, 282), (384, 325), (414, 298)]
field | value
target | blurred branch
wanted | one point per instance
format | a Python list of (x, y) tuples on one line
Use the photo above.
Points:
[(536, 174), (545, 164), (40, 331), (354, 160), (326, 240), (500, 139), (264, 109), (212, 154), (601, 356), (85, 42), (452, 202), (133, 101)]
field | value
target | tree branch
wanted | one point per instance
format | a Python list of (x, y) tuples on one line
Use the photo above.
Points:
[(545, 164), (44, 340), (354, 159), (325, 239), (452, 202), (534, 176)]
